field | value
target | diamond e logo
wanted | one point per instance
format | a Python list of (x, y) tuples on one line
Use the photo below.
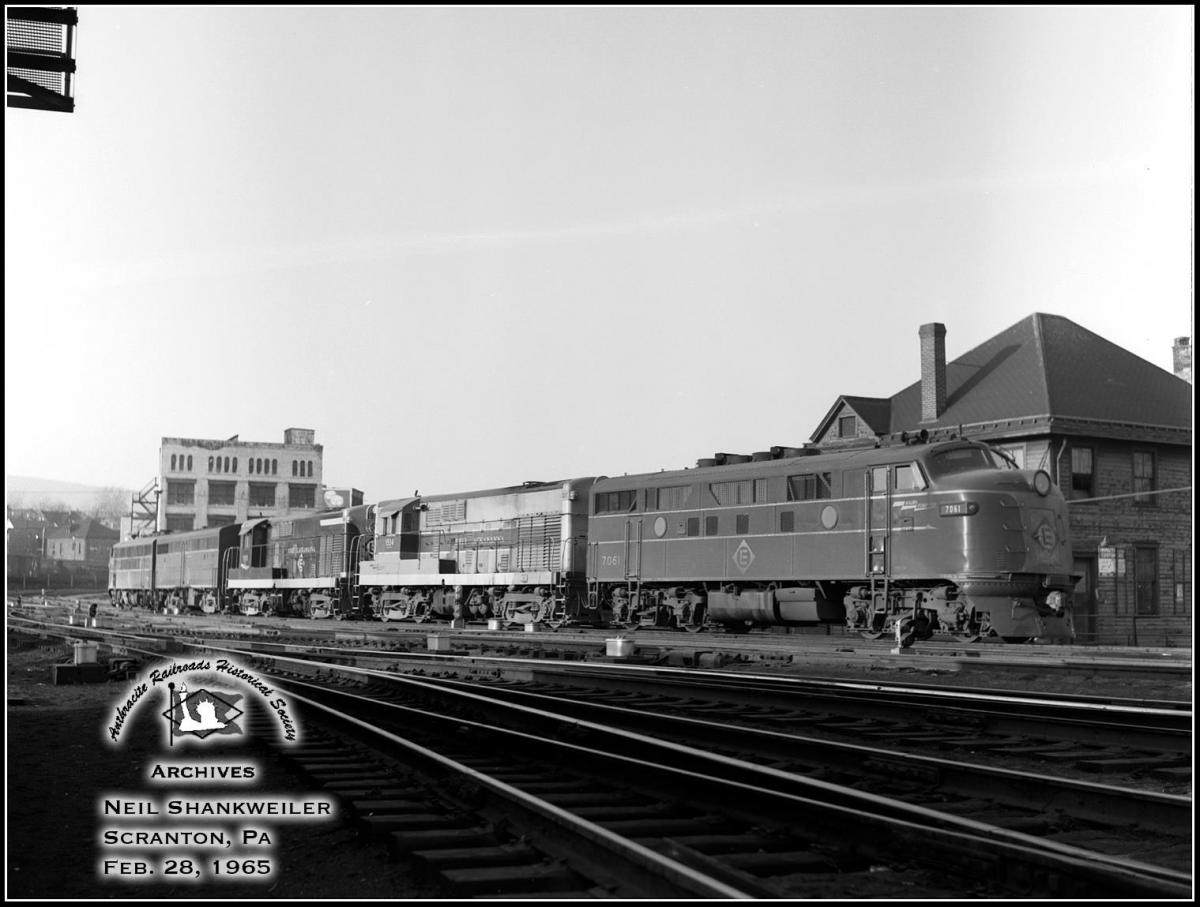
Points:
[(743, 556)]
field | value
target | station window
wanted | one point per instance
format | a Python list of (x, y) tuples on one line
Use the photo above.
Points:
[(810, 486), (1145, 576), (210, 464), (274, 467), (189, 462), (172, 462), (295, 470), (1143, 476), (310, 466), (235, 464), (1083, 472), (847, 426)]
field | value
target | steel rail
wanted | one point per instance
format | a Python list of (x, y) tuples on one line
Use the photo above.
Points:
[(740, 785)]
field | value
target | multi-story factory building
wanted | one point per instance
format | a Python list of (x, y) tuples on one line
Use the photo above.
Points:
[(214, 483)]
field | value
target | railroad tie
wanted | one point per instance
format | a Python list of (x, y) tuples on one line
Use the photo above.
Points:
[(489, 880)]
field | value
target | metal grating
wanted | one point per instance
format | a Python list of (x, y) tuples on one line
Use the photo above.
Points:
[(40, 47)]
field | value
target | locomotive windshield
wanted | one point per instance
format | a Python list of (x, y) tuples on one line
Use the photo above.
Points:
[(963, 459)]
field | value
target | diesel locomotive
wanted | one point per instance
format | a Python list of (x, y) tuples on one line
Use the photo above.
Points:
[(514, 554), (911, 539)]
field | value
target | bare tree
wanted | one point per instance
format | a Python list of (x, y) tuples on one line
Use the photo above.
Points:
[(110, 504)]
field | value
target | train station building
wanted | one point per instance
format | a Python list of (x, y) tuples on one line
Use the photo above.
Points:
[(214, 483), (1113, 430)]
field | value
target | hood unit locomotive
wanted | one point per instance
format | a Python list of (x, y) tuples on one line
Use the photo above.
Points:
[(512, 554), (302, 564)]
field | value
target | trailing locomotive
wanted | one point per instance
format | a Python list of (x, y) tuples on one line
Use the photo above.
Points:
[(515, 554), (302, 564), (913, 540), (177, 571)]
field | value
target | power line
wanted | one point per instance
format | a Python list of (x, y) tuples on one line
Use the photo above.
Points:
[(1132, 494)]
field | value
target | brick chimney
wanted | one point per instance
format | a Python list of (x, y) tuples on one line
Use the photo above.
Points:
[(1183, 358), (933, 371)]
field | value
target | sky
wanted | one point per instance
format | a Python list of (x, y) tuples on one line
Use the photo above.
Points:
[(473, 247)]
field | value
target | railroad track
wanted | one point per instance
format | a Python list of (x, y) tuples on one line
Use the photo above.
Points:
[(715, 811), (1143, 744), (686, 755)]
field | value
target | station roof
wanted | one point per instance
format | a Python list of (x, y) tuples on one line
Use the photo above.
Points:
[(1044, 367)]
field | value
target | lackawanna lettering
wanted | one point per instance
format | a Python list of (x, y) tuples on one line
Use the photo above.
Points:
[(199, 772), (299, 806), (125, 837)]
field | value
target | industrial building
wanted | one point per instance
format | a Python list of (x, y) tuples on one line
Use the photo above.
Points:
[(213, 483)]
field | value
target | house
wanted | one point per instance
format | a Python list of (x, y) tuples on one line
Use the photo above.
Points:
[(81, 541), (1113, 430)]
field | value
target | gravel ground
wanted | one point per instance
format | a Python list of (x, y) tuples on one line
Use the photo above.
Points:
[(58, 769)]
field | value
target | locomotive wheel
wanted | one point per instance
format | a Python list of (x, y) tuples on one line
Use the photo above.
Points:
[(870, 634), (695, 628), (967, 637)]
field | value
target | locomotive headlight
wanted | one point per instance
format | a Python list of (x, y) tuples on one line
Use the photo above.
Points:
[(958, 508), (1041, 482)]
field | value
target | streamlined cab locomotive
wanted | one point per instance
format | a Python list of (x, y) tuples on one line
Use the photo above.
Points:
[(177, 570), (914, 540), (965, 543)]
